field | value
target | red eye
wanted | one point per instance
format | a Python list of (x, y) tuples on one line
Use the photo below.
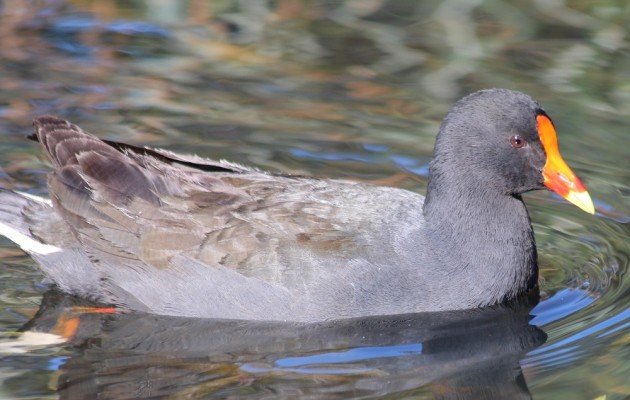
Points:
[(517, 141)]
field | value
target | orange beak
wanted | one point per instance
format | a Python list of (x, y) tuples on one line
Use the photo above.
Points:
[(557, 174)]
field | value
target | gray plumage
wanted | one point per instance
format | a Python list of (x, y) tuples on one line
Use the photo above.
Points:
[(171, 234)]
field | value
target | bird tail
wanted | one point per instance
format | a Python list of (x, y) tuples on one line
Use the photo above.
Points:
[(14, 221)]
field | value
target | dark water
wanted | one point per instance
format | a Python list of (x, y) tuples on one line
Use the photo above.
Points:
[(351, 89)]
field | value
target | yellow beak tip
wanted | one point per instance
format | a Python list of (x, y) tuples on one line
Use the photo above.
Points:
[(582, 200)]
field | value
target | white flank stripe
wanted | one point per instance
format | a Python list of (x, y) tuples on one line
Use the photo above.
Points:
[(26, 243), (41, 200)]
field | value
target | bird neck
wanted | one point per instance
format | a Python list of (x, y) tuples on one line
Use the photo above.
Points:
[(485, 237)]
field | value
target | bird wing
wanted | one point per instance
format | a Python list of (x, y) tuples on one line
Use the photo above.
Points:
[(142, 207)]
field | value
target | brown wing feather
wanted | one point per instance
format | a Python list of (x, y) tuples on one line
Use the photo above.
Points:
[(133, 206)]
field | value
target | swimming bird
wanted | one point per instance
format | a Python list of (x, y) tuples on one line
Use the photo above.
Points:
[(151, 230)]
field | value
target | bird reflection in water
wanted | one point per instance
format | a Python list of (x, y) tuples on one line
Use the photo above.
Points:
[(471, 354)]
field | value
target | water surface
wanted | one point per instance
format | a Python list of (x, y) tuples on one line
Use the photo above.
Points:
[(345, 89)]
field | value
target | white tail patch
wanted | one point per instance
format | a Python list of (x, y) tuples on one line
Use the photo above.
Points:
[(38, 199), (26, 243), (30, 341)]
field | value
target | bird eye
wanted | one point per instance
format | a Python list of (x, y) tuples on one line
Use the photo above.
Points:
[(517, 141)]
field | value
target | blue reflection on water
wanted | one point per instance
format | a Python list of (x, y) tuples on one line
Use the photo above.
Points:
[(340, 156), (320, 363), (78, 24), (410, 164), (561, 304), (65, 35), (375, 148), (602, 326), (55, 363), (351, 355), (569, 349), (134, 28)]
